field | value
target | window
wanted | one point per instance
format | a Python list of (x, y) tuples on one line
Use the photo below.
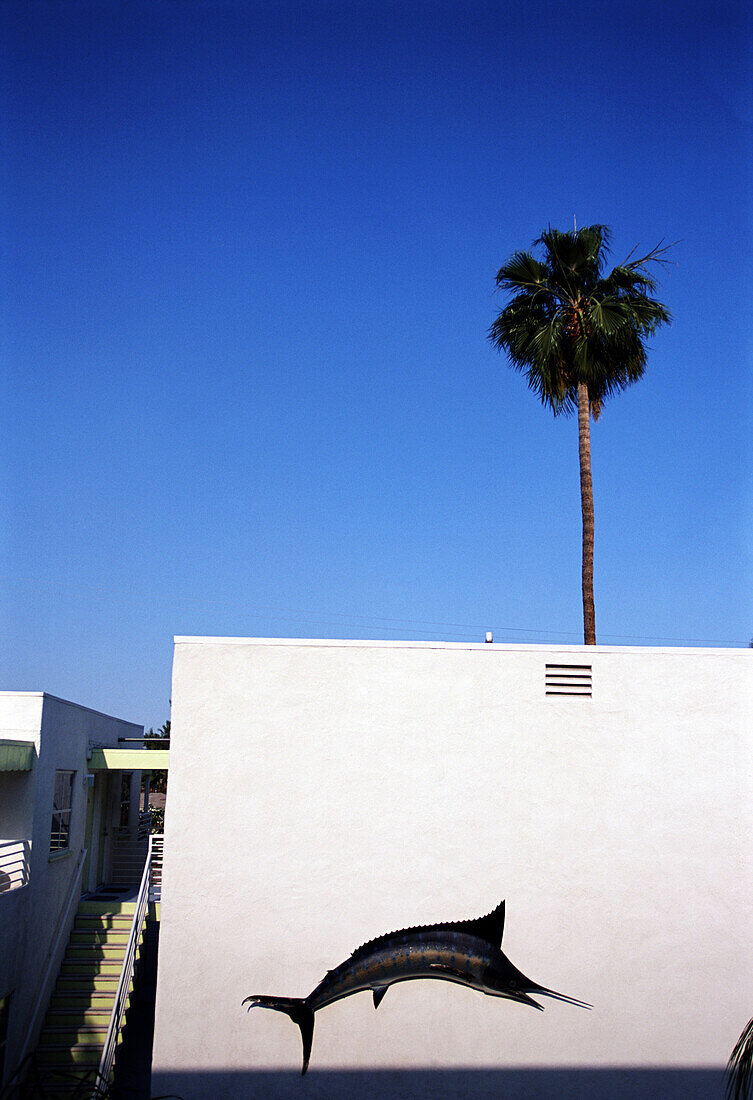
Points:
[(61, 811)]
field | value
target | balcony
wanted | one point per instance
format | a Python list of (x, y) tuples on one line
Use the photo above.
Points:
[(14, 864)]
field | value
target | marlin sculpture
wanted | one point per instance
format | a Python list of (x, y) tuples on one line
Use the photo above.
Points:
[(467, 952)]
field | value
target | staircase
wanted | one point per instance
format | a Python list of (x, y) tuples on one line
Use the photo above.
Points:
[(75, 1029)]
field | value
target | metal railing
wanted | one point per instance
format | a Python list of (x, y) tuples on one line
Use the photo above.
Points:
[(126, 975), (14, 864), (155, 882), (141, 830)]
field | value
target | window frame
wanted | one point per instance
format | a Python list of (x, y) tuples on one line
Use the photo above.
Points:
[(60, 837)]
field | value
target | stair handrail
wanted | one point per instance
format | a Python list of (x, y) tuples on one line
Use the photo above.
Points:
[(126, 973), (52, 954)]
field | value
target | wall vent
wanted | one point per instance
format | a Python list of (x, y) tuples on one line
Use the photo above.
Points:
[(568, 680)]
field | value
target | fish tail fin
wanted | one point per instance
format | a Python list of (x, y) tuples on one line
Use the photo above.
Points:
[(298, 1010)]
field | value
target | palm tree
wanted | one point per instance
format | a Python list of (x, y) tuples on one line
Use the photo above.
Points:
[(579, 337)]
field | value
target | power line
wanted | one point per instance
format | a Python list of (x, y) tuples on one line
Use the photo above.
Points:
[(360, 620)]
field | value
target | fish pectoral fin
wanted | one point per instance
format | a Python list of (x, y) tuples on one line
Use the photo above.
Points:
[(379, 992)]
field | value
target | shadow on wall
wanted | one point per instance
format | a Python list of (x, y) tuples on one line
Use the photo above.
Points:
[(451, 1084)]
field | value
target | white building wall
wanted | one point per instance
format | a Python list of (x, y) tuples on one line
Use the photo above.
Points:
[(30, 915), (322, 793)]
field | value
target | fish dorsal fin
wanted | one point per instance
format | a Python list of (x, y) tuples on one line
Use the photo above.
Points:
[(489, 928)]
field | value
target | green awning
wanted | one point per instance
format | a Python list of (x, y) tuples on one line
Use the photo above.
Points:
[(131, 760), (16, 756)]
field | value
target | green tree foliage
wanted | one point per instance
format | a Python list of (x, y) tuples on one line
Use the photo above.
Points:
[(159, 777), (579, 336)]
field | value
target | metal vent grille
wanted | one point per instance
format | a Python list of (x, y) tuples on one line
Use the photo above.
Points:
[(568, 680)]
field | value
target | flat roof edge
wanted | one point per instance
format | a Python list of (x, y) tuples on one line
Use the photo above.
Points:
[(375, 643), (91, 710), (68, 703)]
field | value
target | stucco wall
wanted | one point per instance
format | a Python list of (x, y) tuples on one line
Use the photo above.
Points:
[(322, 793)]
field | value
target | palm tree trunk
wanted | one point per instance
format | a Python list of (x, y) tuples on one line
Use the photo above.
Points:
[(587, 509)]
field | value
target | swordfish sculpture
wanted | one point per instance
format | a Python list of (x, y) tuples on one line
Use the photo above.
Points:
[(467, 952)]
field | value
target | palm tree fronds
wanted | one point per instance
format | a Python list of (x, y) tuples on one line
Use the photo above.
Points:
[(546, 340), (607, 316), (623, 280), (521, 272), (573, 259), (656, 255), (740, 1066), (648, 314), (567, 322)]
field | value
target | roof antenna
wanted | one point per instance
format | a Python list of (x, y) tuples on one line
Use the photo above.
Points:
[(575, 227)]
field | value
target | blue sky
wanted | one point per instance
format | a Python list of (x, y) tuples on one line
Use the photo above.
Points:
[(248, 271)]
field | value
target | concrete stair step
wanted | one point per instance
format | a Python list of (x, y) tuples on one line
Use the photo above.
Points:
[(91, 998), (103, 968), (93, 967), (104, 952), (100, 935), (102, 926), (74, 1033), (61, 1054), (97, 984), (107, 908), (81, 1016), (93, 951)]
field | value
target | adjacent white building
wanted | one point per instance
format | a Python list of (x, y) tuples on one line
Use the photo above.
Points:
[(62, 803), (325, 792)]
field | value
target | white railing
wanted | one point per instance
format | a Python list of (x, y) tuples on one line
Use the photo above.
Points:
[(60, 939), (126, 974), (14, 864), (155, 882)]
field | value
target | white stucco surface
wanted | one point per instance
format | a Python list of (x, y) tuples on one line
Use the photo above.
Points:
[(322, 793)]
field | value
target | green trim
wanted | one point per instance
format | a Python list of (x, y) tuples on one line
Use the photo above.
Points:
[(145, 760), (16, 756)]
